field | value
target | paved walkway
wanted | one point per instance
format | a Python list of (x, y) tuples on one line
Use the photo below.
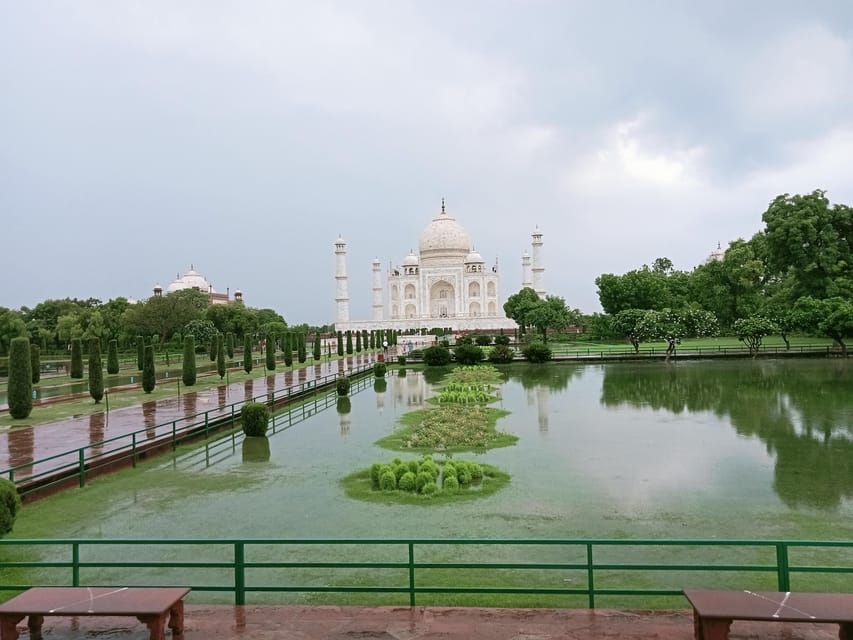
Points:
[(423, 623)]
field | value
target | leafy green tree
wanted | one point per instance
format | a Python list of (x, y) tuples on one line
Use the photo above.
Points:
[(188, 371), (201, 330), (349, 343), (752, 330), (229, 342), (518, 307), (10, 504), (112, 357), (220, 356), (140, 352), (317, 353), (165, 315), (76, 358), (149, 375), (12, 325), (672, 326), (35, 363), (19, 390), (247, 354), (287, 340), (301, 353), (270, 352), (96, 371), (638, 289), (832, 317), (551, 313), (340, 343), (629, 323)]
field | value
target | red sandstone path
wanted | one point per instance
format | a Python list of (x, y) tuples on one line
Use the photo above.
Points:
[(208, 622), (23, 445)]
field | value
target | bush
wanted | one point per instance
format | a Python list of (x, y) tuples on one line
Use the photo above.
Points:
[(229, 345), (343, 385), (76, 358), (96, 371), (188, 372), (450, 483), (214, 346), (468, 354), (149, 376), (476, 471), (501, 354), (375, 471), (449, 470), (10, 504), (220, 356), (422, 479), (407, 482), (35, 363), (462, 340), (247, 354), (437, 356), (388, 481), (270, 355), (483, 341), (429, 488), (112, 357), (416, 354), (254, 418), (19, 390), (287, 347), (502, 339), (140, 353), (379, 369), (401, 360), (537, 352)]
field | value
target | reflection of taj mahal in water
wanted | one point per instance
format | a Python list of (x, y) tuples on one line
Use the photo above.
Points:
[(446, 284)]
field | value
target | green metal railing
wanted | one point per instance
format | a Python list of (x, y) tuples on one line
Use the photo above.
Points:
[(564, 351), (83, 461), (598, 567)]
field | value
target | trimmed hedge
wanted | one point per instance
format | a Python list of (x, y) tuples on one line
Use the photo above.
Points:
[(112, 357), (343, 385), (220, 356), (35, 363), (96, 371), (501, 354), (270, 353), (379, 369), (247, 354), (537, 352), (254, 418), (10, 503), (19, 390), (468, 354), (437, 356), (76, 358), (189, 371), (140, 352), (149, 379)]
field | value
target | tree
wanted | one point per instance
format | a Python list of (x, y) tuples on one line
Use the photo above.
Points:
[(19, 390), (629, 323), (140, 352), (188, 370), (270, 352), (12, 325), (437, 356), (214, 346), (229, 342), (247, 354), (96, 371), (349, 343), (372, 339), (638, 289), (537, 352), (672, 326), (112, 357), (149, 375), (287, 341), (220, 356), (76, 358), (301, 353), (358, 341), (518, 306), (813, 242), (550, 313), (317, 353), (832, 317), (468, 354), (201, 330), (340, 343), (752, 330), (35, 363), (10, 504)]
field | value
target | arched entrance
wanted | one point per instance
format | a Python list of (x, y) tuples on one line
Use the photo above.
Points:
[(442, 300)]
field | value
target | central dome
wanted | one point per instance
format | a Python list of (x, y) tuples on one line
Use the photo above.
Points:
[(444, 237)]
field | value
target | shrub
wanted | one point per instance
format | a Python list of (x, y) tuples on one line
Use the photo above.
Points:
[(537, 352), (220, 356), (483, 341), (429, 467), (502, 339), (287, 346), (476, 471), (501, 354), (349, 343), (76, 358), (422, 479), (19, 390), (358, 341), (270, 347), (407, 482), (247, 354), (10, 503), (437, 356), (316, 351), (140, 353), (449, 470), (149, 379), (450, 483), (375, 470), (35, 363), (254, 418), (388, 481), (214, 346), (462, 340), (340, 343), (401, 360), (229, 345), (464, 477), (188, 372), (112, 357), (429, 488), (343, 385), (400, 469), (413, 466), (468, 354), (96, 371), (379, 369)]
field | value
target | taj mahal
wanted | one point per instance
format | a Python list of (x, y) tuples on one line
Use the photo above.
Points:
[(445, 285)]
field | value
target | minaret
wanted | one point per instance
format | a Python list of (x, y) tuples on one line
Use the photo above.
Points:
[(526, 273), (538, 268), (377, 291), (341, 294)]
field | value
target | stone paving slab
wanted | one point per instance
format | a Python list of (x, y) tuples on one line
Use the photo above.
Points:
[(222, 622)]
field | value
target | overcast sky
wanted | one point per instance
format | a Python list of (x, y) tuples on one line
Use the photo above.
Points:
[(137, 138)]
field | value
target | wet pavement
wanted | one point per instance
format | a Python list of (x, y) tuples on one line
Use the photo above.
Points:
[(25, 444), (423, 623)]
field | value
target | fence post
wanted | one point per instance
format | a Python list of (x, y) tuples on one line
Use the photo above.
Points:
[(411, 574), (590, 577), (174, 436), (75, 564), (133, 448), (206, 425), (782, 567), (82, 464), (239, 574)]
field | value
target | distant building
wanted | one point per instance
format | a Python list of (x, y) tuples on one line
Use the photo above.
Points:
[(716, 255), (192, 279)]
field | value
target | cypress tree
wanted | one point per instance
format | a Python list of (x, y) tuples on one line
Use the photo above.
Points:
[(358, 341), (188, 371), (287, 341), (96, 371), (300, 348), (112, 357), (229, 345), (140, 352), (340, 343), (149, 376), (214, 343), (35, 363), (317, 353), (220, 356), (349, 343), (76, 358), (19, 390), (247, 354), (372, 339), (271, 353)]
